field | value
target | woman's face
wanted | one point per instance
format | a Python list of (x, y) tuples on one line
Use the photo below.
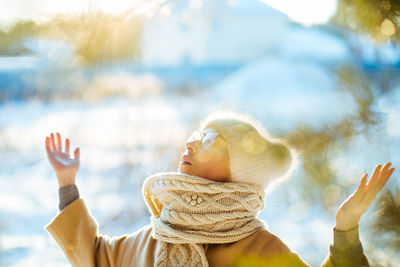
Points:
[(206, 156)]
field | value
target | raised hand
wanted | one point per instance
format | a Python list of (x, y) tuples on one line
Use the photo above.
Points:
[(63, 164), (351, 210)]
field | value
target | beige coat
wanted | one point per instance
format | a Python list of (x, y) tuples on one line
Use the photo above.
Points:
[(76, 232)]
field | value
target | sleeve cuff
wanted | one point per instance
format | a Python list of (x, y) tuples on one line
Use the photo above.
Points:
[(67, 195), (344, 240)]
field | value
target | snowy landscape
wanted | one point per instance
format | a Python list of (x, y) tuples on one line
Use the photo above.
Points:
[(132, 118)]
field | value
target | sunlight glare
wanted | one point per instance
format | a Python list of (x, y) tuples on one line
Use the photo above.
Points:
[(13, 11), (306, 12)]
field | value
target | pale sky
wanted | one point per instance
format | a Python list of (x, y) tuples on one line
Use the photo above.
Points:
[(305, 11), (39, 10)]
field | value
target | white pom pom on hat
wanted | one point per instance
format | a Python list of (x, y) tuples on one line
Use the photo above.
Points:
[(254, 156)]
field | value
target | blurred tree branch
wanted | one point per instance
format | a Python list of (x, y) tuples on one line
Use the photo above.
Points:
[(316, 146), (388, 217), (96, 37)]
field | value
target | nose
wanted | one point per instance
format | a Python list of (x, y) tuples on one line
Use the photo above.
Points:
[(192, 146)]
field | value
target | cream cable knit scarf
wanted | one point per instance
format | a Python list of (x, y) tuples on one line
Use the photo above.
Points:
[(188, 211)]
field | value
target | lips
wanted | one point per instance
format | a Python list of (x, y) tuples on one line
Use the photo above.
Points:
[(186, 160)]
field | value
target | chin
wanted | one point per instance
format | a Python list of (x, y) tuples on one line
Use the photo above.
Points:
[(184, 169), (188, 171)]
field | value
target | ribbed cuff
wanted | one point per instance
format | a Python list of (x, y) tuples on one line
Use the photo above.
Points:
[(67, 195), (346, 250), (344, 240)]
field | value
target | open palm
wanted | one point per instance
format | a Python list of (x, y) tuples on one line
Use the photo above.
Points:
[(63, 164), (350, 212)]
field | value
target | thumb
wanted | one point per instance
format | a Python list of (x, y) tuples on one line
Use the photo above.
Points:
[(77, 153)]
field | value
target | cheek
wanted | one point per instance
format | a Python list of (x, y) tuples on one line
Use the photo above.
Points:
[(211, 157), (205, 157)]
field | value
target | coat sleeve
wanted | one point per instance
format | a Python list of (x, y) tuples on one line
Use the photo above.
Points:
[(346, 250), (76, 232)]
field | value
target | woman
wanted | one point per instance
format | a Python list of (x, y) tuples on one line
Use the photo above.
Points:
[(205, 214)]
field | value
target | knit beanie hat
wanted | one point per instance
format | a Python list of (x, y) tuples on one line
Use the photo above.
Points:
[(254, 156)]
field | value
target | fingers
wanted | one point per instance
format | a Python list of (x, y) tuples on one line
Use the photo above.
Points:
[(367, 192), (52, 143), (384, 175), (387, 175), (374, 177), (48, 149), (379, 178), (386, 167), (67, 145), (363, 182), (77, 153), (59, 145), (376, 171)]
